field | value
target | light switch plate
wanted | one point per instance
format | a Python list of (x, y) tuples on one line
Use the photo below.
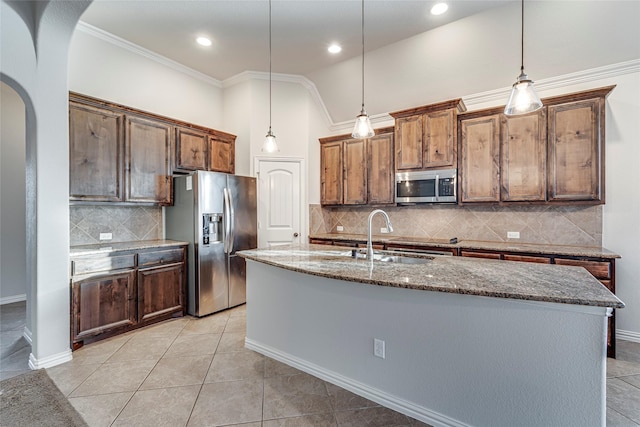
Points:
[(384, 230), (513, 234), (106, 236), (340, 228)]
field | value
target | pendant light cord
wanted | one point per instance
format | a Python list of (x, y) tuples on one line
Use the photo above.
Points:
[(522, 38), (269, 65), (362, 55)]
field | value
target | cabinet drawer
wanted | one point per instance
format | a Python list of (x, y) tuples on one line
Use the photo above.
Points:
[(160, 257), (599, 269), (488, 255), (103, 263), (527, 258)]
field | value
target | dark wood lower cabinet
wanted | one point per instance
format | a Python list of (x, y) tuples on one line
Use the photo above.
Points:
[(160, 292), (107, 301), (103, 304)]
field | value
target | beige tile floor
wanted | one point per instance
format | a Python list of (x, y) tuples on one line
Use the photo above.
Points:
[(196, 372)]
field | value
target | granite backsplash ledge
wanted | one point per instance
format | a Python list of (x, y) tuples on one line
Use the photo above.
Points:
[(126, 224), (557, 225)]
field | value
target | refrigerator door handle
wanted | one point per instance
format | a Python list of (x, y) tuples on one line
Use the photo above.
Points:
[(232, 222), (227, 220)]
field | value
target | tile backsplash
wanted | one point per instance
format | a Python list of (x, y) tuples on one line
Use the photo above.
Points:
[(559, 225), (123, 222)]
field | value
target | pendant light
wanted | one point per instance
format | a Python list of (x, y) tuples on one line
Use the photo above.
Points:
[(362, 128), (269, 145), (524, 98)]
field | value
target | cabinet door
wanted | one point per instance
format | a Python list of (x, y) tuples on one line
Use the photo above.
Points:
[(148, 148), (221, 155), (355, 172), (380, 170), (409, 142), (440, 141), (331, 173), (102, 304), (524, 157), (575, 150), (95, 154), (191, 149), (160, 292), (480, 155)]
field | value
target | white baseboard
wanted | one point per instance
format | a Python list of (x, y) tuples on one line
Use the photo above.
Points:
[(385, 399), (627, 335), (26, 333), (12, 299), (50, 361)]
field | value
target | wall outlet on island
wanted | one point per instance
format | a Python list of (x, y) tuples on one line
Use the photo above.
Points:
[(513, 234), (340, 228), (106, 236), (378, 348)]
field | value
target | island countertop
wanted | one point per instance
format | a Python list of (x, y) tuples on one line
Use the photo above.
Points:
[(491, 278), (512, 246)]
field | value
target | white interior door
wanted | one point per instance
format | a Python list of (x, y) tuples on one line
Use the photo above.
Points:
[(280, 198)]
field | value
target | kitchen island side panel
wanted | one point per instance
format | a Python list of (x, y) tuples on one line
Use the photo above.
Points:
[(450, 359)]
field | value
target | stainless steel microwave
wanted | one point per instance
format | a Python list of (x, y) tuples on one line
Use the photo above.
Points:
[(432, 186)]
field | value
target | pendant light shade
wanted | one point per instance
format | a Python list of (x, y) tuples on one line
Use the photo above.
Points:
[(362, 128), (270, 145), (524, 98)]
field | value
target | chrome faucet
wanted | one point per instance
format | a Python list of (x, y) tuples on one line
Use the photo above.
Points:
[(389, 228)]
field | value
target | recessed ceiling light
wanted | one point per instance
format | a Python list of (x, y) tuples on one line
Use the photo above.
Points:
[(334, 48), (439, 8), (203, 41)]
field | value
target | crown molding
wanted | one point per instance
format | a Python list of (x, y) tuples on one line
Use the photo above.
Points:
[(138, 50), (580, 77), (493, 96)]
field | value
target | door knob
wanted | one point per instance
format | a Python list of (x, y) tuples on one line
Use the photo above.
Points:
[(295, 234)]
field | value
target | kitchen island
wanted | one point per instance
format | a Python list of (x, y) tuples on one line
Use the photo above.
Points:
[(466, 341)]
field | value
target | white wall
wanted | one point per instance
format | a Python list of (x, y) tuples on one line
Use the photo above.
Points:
[(13, 251), (42, 85), (121, 74)]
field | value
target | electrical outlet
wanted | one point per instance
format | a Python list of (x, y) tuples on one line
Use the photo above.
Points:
[(378, 348), (106, 236), (513, 234), (384, 230), (340, 228)]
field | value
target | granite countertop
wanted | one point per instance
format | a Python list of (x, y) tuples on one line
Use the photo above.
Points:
[(531, 248), (461, 275), (104, 248)]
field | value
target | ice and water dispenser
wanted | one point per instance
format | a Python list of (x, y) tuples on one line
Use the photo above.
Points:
[(211, 228)]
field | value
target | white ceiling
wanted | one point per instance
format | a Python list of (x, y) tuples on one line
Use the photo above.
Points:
[(302, 29)]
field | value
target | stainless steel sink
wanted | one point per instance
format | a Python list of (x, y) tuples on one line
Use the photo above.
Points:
[(399, 259)]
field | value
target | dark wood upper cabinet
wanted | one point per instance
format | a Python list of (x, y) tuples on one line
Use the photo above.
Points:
[(426, 137), (331, 173), (355, 172), (191, 149), (119, 154), (380, 171), (555, 155), (95, 154), (576, 150), (479, 159), (524, 157), (222, 154), (409, 145), (147, 161), (440, 149)]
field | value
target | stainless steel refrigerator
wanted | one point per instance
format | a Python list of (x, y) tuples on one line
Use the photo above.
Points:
[(216, 213)]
